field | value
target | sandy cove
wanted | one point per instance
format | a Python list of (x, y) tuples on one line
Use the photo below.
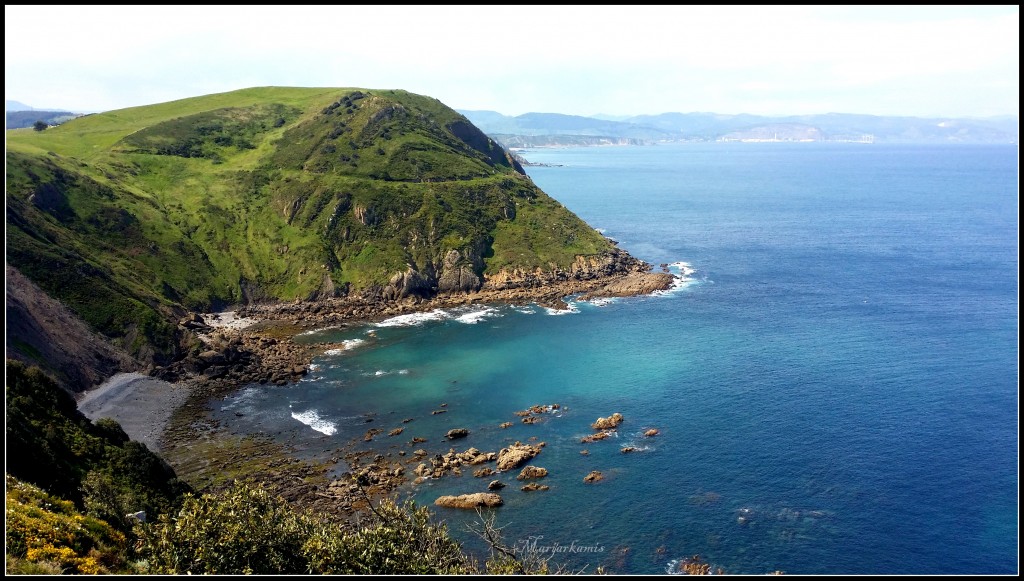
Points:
[(253, 345)]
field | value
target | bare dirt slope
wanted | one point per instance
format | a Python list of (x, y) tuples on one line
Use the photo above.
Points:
[(42, 331)]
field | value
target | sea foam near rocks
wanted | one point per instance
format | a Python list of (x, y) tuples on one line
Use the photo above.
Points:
[(312, 419)]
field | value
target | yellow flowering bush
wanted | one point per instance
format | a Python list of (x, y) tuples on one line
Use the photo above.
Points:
[(48, 530)]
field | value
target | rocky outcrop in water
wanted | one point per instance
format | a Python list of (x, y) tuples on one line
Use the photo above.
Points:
[(475, 500), (533, 486), (515, 455), (457, 433), (532, 472), (609, 423)]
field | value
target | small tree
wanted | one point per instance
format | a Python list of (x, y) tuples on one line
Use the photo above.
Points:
[(40, 125)]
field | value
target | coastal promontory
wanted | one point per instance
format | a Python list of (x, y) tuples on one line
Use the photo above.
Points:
[(130, 222)]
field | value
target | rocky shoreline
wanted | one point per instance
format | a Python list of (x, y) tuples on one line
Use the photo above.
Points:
[(255, 346)]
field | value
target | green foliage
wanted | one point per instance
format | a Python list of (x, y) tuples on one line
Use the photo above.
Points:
[(52, 445), (245, 530), (398, 540), (40, 125), (210, 134)]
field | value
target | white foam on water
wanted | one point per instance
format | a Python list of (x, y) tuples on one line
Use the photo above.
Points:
[(672, 567), (383, 372), (413, 319), (683, 273), (684, 268), (346, 345), (572, 310), (312, 419), (476, 315), (318, 330)]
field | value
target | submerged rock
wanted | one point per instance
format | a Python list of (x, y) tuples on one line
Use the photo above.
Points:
[(595, 437), (533, 486)]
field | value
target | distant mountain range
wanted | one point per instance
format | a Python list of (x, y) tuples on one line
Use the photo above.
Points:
[(16, 106), (554, 129), (20, 115)]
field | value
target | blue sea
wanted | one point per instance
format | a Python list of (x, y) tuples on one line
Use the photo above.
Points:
[(834, 380)]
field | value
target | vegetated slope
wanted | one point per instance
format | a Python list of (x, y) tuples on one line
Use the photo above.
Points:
[(52, 445), (132, 217)]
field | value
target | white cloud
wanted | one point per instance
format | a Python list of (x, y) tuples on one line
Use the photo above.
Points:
[(581, 60)]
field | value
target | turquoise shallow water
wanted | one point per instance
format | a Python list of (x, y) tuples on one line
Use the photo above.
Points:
[(836, 387)]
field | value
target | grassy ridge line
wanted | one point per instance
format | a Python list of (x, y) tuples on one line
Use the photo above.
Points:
[(92, 135)]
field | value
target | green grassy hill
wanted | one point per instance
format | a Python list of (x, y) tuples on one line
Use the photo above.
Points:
[(132, 217)]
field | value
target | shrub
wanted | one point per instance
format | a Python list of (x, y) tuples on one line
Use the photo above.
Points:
[(46, 534), (245, 530)]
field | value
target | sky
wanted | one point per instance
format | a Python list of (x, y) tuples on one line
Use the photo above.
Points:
[(921, 61)]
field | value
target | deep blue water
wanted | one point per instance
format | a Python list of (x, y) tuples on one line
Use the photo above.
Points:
[(836, 387)]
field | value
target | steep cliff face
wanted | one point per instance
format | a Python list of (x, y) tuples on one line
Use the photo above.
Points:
[(132, 218)]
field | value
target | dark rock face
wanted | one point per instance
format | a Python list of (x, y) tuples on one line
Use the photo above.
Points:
[(408, 284), (457, 274)]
